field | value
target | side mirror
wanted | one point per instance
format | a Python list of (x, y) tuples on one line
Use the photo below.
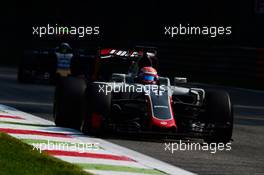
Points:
[(180, 80), (164, 81)]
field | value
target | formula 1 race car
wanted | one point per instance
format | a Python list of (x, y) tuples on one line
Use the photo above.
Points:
[(120, 102), (45, 64)]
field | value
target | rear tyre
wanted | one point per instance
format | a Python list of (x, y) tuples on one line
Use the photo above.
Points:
[(69, 102), (219, 112)]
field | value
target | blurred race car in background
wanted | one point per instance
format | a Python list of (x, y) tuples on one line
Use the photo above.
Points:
[(48, 64), (114, 99)]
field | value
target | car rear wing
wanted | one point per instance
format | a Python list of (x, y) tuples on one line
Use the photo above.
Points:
[(136, 52)]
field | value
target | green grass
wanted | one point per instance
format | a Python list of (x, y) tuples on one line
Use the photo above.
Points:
[(17, 157)]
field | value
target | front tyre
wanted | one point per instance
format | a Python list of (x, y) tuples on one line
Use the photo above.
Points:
[(219, 113), (98, 109), (69, 102)]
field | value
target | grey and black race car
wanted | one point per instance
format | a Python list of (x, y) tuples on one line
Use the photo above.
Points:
[(132, 102)]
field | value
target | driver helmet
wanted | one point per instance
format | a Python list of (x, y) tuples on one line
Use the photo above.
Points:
[(148, 75), (64, 47)]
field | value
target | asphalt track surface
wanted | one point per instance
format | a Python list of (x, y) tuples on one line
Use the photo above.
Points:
[(245, 157)]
